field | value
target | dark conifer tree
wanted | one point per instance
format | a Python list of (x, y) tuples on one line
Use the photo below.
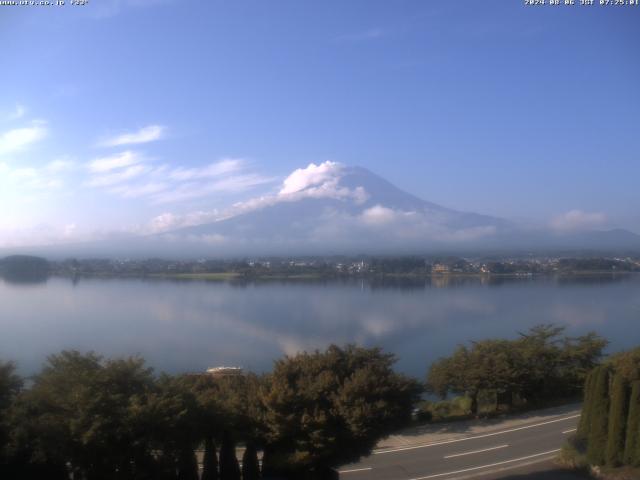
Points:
[(599, 422), (587, 407), (187, 465), (210, 461), (250, 465), (631, 454), (229, 468), (618, 413), (166, 466)]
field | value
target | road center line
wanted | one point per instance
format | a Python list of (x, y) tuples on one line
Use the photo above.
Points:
[(487, 466), (476, 451), (446, 442), (353, 470), (570, 430)]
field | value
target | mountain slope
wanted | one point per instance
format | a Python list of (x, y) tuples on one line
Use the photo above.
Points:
[(335, 207)]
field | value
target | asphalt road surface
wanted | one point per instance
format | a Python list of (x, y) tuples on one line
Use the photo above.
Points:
[(484, 455)]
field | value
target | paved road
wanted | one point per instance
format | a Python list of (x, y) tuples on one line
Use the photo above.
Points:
[(479, 455)]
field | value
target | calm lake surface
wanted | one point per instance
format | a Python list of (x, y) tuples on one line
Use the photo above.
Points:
[(191, 325)]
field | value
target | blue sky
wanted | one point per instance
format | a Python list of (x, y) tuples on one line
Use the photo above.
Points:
[(125, 116)]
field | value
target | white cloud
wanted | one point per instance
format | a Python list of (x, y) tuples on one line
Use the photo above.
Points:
[(191, 190), (18, 139), (378, 215), (113, 162), (136, 191), (310, 176), (215, 169), (60, 165), (120, 176), (37, 178), (144, 135), (578, 220), (314, 181), (129, 176), (170, 221)]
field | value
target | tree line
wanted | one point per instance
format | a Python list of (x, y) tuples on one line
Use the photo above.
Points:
[(96, 419), (540, 365), (609, 428)]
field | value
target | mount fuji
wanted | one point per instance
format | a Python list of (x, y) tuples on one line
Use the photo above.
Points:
[(331, 208), (335, 208)]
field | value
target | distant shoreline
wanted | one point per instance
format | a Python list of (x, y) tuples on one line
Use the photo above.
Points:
[(230, 276)]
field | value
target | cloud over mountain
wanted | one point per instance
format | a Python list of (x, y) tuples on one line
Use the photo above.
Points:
[(331, 206)]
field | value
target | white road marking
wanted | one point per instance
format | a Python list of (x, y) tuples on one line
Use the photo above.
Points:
[(476, 451), (487, 466), (401, 449), (353, 470), (570, 430)]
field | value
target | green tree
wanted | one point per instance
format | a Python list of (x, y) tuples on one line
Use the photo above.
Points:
[(578, 357), (187, 464), (587, 406), (627, 364), (618, 413), (537, 366), (631, 454), (457, 374), (598, 429), (10, 386), (540, 355), (229, 468), (105, 418), (250, 465), (210, 460), (328, 408)]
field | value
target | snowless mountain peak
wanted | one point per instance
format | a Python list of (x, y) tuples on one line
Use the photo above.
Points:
[(331, 206)]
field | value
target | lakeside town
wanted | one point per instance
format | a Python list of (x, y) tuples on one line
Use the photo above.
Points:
[(330, 267)]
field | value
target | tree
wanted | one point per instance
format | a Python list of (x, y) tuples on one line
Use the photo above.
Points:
[(540, 355), (631, 454), (10, 386), (106, 418), (627, 364), (250, 465), (323, 409), (210, 460), (598, 428), (632, 444), (187, 464), (578, 357), (537, 366), (229, 468), (457, 374), (618, 413), (587, 406)]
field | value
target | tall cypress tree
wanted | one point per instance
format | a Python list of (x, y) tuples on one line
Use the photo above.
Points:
[(250, 466), (618, 413), (187, 465), (599, 422), (210, 461), (585, 418), (632, 444), (229, 468)]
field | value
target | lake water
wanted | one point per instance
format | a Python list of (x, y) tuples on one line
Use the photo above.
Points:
[(191, 325)]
